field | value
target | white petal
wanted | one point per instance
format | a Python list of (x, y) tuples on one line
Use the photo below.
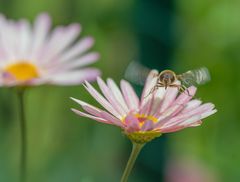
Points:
[(73, 77), (7, 34), (82, 61), (77, 49), (25, 38), (40, 32), (60, 39)]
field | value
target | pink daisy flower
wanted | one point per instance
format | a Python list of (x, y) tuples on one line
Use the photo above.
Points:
[(33, 54), (143, 119)]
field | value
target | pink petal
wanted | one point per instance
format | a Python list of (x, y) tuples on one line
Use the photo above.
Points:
[(89, 108), (112, 119), (191, 105), (181, 124), (150, 83), (178, 104), (130, 96), (102, 100), (147, 126), (188, 120), (169, 97), (197, 111), (108, 94), (146, 108), (91, 117), (198, 123), (99, 113), (157, 99), (117, 94), (208, 113), (184, 97), (172, 129), (132, 124)]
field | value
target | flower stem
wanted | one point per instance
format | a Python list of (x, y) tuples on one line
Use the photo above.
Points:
[(136, 148), (23, 152)]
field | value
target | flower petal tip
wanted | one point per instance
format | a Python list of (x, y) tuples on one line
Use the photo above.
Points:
[(89, 40), (74, 110), (73, 99)]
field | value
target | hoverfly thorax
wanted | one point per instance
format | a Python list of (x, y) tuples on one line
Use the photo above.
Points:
[(167, 77)]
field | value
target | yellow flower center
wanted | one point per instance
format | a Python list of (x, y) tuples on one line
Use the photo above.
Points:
[(142, 137), (143, 118), (22, 71)]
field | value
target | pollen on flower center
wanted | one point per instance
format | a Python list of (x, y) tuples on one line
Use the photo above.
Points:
[(142, 118), (22, 71)]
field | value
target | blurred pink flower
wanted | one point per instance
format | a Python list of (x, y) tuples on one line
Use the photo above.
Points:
[(143, 119), (189, 170), (33, 55)]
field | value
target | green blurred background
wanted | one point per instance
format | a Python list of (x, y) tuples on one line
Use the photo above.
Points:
[(180, 35)]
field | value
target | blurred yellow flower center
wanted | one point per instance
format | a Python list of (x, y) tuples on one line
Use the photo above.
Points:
[(22, 71), (142, 137)]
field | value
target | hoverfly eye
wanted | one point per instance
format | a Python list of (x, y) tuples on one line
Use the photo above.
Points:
[(162, 76), (172, 78)]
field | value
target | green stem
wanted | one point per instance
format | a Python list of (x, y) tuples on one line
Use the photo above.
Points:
[(23, 153), (136, 148)]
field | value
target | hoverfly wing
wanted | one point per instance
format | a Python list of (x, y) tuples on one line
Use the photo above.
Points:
[(195, 77), (136, 73)]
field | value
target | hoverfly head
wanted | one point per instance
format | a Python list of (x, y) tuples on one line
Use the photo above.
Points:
[(167, 77)]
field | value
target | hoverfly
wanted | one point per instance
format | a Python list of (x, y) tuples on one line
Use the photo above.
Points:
[(168, 78)]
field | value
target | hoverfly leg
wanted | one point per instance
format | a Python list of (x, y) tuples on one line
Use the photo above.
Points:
[(153, 90), (181, 88), (177, 86)]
